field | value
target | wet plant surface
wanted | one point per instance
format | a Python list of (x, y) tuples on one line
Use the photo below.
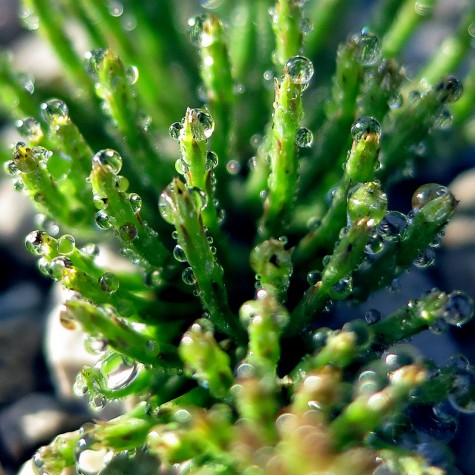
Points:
[(259, 191)]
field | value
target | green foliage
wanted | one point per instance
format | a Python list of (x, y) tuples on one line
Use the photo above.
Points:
[(217, 331)]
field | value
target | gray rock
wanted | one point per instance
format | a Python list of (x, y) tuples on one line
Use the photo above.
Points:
[(21, 335), (34, 420)]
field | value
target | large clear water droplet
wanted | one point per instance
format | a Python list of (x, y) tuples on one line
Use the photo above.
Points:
[(127, 232), (425, 259), (303, 137), (365, 125), (459, 308), (211, 160), (110, 158), (198, 31), (368, 50), (179, 254), (174, 130), (427, 193), (300, 70), (188, 276), (103, 220), (166, 204), (393, 226), (54, 110), (204, 118), (66, 244), (108, 282), (135, 202), (35, 242)]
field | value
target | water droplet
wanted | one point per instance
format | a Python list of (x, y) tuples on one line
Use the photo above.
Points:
[(35, 242), (80, 385), (366, 200), (450, 89), (132, 74), (10, 168), (319, 337), (188, 276), (427, 193), (58, 265), (118, 371), (200, 197), (95, 345), (375, 245), (233, 167), (363, 126), (395, 101), (443, 120), (204, 118), (29, 128), (97, 403), (115, 8), (372, 316), (92, 61), (135, 202), (103, 220), (54, 110), (458, 309), (458, 361), (66, 244), (174, 130), (361, 331), (179, 254), (198, 31), (425, 259), (400, 355), (393, 226), (211, 3), (127, 232), (439, 326), (313, 277), (91, 249), (368, 50), (462, 396), (300, 70), (110, 158), (303, 137), (29, 18), (152, 347), (108, 282), (181, 167), (306, 26), (341, 290), (18, 185), (211, 160)]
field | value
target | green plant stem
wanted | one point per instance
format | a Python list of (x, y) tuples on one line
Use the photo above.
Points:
[(408, 17)]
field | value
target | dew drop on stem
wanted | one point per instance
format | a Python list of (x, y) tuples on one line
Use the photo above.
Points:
[(303, 137), (54, 110), (300, 70), (110, 158), (92, 61), (427, 193), (66, 244), (108, 282), (365, 125), (368, 51)]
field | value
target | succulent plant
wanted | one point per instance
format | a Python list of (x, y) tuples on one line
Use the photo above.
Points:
[(247, 184)]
